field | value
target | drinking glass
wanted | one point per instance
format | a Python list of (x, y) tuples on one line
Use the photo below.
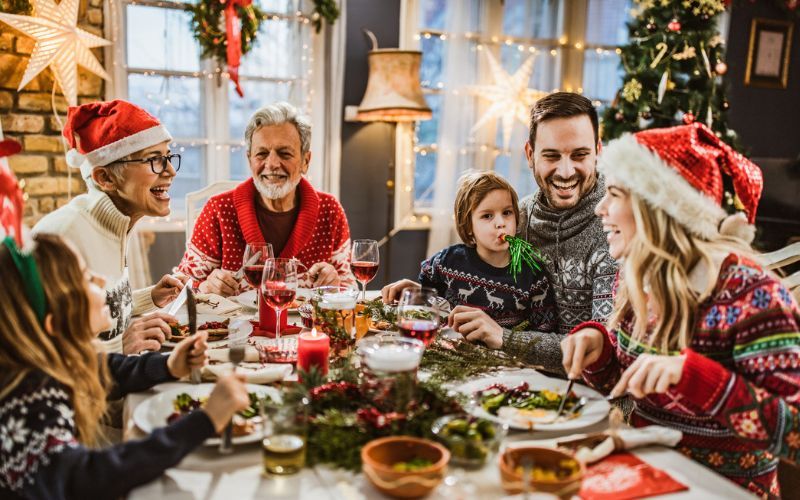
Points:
[(418, 314), (364, 259), (279, 286), (334, 315), (285, 432), (254, 271)]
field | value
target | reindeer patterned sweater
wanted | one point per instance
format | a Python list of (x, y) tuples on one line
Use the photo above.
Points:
[(459, 275)]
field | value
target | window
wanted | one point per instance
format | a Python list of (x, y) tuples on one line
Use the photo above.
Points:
[(454, 37), (160, 69)]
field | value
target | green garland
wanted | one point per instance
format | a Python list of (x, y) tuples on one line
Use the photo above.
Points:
[(208, 27), (327, 10)]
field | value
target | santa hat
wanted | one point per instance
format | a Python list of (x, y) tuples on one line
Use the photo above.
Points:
[(680, 170), (100, 133), (11, 196)]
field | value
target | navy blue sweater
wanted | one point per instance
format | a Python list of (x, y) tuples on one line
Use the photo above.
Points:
[(40, 456)]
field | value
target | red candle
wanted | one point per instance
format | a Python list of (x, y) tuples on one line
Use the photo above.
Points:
[(313, 349)]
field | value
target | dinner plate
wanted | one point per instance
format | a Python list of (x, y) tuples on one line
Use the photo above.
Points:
[(596, 408), (152, 413), (201, 319), (250, 298)]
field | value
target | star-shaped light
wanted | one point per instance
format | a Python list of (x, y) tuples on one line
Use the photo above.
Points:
[(510, 96), (60, 44)]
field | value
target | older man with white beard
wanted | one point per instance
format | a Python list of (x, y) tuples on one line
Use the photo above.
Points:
[(277, 205)]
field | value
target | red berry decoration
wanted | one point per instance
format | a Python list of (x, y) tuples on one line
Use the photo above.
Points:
[(688, 118), (674, 25)]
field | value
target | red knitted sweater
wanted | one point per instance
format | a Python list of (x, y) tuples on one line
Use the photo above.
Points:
[(737, 402), (228, 222)]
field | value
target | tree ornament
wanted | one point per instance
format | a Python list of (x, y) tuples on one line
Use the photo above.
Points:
[(678, 116), (726, 105), (651, 26), (674, 25), (688, 118), (632, 90), (619, 116), (720, 68)]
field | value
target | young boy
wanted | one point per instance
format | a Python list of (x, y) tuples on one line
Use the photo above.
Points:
[(476, 273)]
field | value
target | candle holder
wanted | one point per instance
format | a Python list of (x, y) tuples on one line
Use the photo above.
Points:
[(389, 366), (334, 315), (282, 350)]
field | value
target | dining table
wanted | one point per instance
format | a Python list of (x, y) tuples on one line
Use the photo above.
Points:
[(206, 474)]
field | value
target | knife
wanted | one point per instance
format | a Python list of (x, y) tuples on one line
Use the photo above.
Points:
[(191, 309), (252, 260), (564, 400), (179, 300)]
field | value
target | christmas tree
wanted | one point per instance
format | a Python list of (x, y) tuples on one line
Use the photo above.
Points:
[(674, 63)]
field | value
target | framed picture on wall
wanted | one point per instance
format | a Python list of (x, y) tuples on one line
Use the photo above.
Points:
[(768, 55)]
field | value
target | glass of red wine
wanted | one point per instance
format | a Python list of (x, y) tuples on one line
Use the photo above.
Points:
[(364, 259), (279, 286), (255, 270), (418, 314)]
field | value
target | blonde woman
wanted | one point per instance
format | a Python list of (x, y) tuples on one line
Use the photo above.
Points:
[(702, 338), (54, 381)]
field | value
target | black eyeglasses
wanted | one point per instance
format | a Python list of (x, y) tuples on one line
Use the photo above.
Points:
[(174, 159)]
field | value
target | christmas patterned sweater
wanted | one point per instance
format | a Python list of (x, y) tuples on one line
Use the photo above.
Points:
[(228, 222), (40, 456), (737, 400), (459, 275)]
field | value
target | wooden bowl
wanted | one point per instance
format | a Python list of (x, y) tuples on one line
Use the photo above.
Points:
[(547, 458), (379, 456)]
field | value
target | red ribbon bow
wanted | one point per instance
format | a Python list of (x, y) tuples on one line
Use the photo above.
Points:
[(233, 32)]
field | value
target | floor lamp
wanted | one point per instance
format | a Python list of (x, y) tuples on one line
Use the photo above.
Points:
[(393, 95)]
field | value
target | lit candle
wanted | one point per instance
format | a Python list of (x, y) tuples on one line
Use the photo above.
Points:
[(313, 349), (393, 358)]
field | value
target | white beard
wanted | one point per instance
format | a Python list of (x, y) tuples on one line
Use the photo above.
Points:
[(275, 192)]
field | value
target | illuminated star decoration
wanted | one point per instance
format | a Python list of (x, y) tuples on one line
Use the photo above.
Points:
[(510, 96), (60, 44)]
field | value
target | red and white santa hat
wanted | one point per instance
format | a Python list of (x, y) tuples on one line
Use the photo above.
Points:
[(680, 170), (99, 133), (11, 196)]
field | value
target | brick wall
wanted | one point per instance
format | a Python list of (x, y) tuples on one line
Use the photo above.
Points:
[(28, 117)]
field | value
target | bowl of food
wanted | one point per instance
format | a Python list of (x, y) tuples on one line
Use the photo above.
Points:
[(404, 466), (540, 469), (471, 440)]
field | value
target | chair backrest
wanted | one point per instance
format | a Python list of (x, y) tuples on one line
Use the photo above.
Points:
[(782, 257), (197, 199)]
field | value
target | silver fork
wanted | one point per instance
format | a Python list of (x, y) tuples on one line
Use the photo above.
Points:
[(236, 356)]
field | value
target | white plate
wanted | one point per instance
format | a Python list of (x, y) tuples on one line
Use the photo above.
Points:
[(250, 298), (153, 411), (201, 319), (596, 408)]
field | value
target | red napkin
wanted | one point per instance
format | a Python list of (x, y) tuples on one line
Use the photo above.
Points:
[(623, 476)]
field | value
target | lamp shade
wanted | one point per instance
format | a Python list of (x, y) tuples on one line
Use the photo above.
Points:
[(393, 91)]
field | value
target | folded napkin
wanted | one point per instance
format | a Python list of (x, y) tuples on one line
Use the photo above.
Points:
[(220, 354), (591, 448), (255, 373), (211, 303)]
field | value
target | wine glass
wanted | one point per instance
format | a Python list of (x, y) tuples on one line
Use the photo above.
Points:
[(418, 314), (364, 260), (255, 270), (279, 286)]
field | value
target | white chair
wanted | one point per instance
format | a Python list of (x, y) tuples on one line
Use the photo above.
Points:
[(197, 199), (783, 257)]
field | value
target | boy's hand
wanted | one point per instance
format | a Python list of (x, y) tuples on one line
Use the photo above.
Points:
[(391, 292), (475, 325)]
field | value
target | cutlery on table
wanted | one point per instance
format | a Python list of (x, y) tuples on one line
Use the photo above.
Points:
[(252, 260), (236, 356), (191, 309), (564, 399)]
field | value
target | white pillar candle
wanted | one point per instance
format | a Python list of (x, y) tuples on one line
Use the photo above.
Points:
[(393, 358)]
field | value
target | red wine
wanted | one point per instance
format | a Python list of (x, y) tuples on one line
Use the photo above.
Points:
[(253, 274), (364, 271), (424, 330), (278, 298)]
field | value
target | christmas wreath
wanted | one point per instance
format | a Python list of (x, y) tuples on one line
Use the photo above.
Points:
[(209, 28)]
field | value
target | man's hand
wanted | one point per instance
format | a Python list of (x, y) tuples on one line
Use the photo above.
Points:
[(322, 274), (391, 292), (188, 354), (476, 326), (580, 350), (650, 374), (147, 333), (228, 397), (168, 288), (220, 282)]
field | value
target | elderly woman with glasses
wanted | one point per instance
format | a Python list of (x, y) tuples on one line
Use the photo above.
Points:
[(124, 157)]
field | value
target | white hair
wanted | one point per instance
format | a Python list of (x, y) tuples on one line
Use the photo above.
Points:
[(278, 114)]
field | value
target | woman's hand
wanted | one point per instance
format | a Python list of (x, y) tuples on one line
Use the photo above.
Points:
[(391, 292), (168, 288), (221, 282), (322, 274), (580, 350), (228, 397), (147, 333), (188, 354), (476, 326), (650, 374)]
